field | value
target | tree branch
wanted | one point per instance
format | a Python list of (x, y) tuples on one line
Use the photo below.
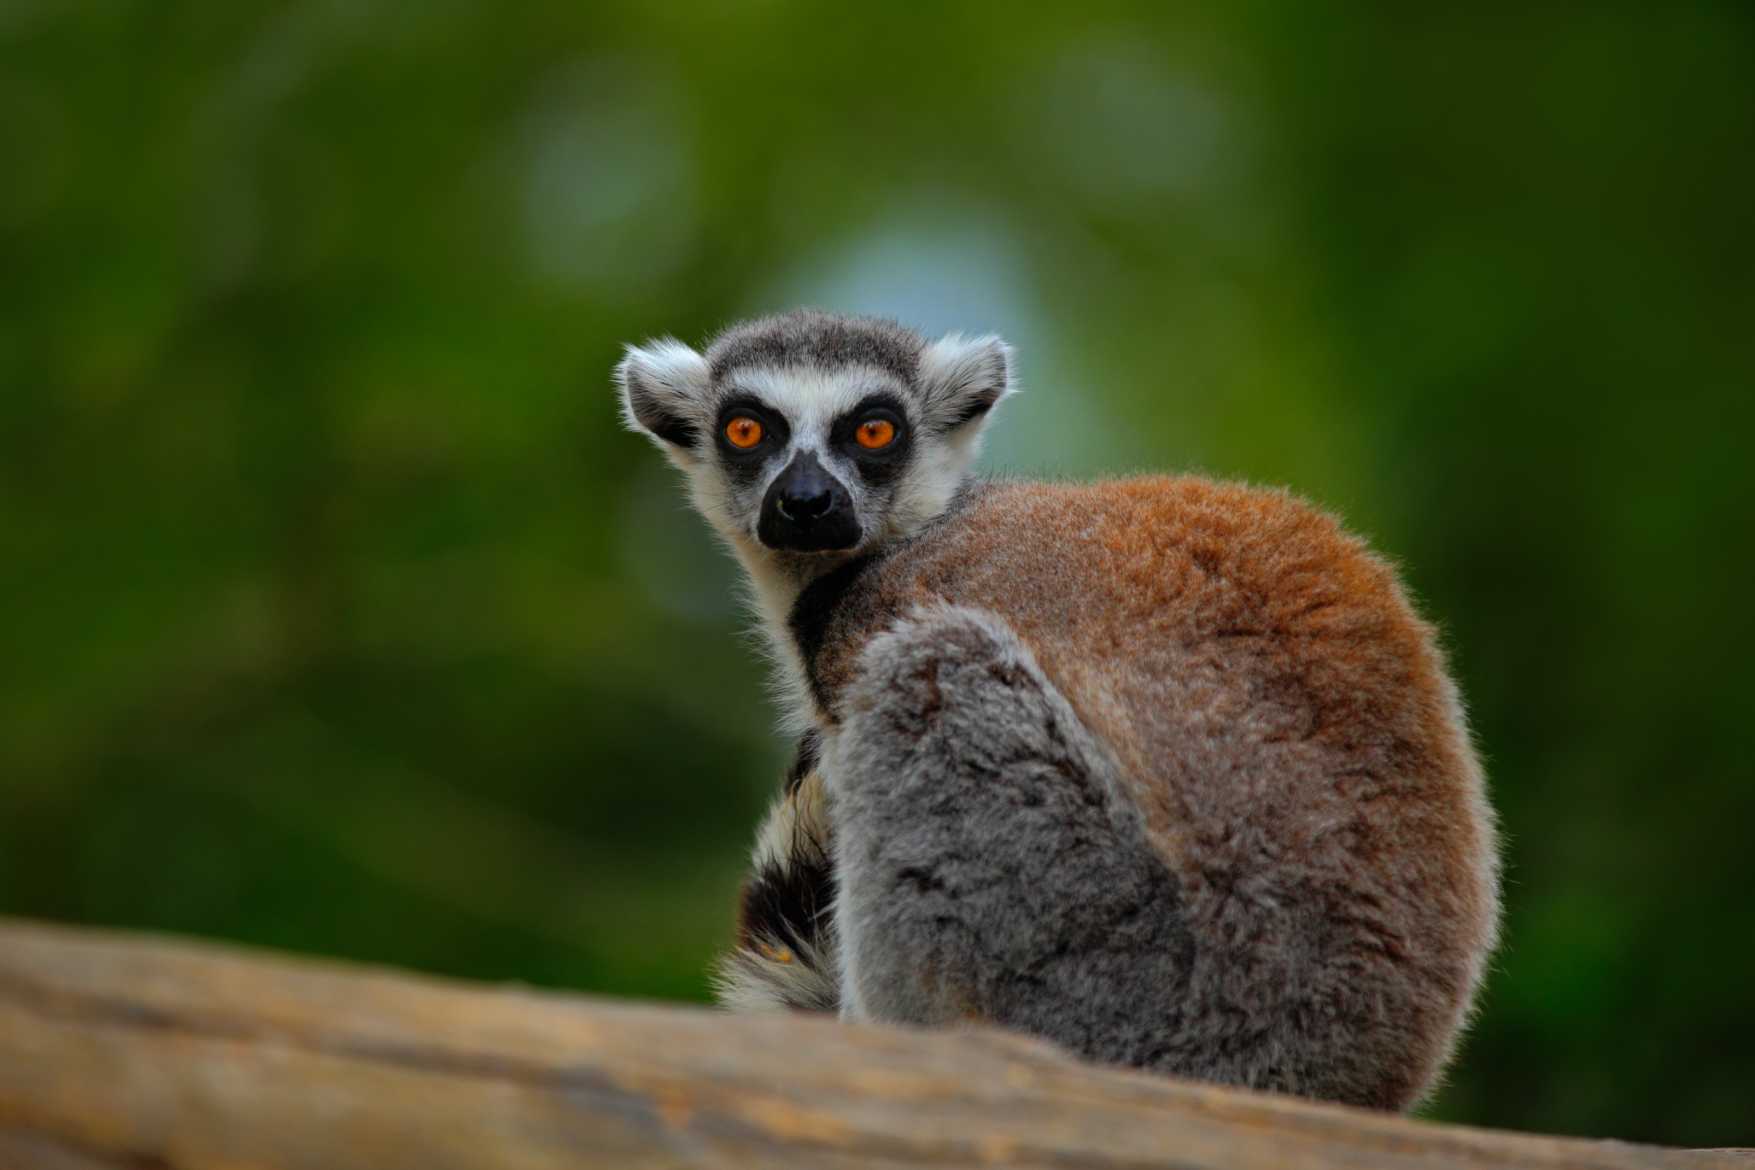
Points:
[(121, 1051)]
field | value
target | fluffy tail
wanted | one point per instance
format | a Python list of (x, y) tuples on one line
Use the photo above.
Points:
[(786, 952)]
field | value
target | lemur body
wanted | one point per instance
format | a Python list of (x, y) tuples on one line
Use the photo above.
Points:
[(1165, 770)]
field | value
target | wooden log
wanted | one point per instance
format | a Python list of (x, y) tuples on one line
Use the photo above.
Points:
[(152, 1054)]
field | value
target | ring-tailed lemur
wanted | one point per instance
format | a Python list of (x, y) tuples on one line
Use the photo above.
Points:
[(1165, 770)]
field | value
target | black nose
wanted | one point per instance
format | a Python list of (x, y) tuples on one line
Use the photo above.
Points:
[(807, 510), (805, 502)]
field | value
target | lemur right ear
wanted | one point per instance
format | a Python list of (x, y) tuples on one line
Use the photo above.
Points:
[(662, 385), (962, 378)]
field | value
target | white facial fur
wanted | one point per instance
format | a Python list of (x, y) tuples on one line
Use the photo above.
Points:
[(811, 400)]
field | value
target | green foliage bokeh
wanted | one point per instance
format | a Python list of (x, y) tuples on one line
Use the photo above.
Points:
[(340, 615)]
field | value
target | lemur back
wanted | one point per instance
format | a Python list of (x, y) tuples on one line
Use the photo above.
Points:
[(1275, 713), (1167, 771)]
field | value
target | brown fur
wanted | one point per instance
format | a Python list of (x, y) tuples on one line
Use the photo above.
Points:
[(1281, 713)]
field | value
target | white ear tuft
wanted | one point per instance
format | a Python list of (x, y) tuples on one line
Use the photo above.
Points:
[(663, 385), (963, 378)]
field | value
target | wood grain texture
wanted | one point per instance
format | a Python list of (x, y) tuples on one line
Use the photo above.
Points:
[(146, 1053)]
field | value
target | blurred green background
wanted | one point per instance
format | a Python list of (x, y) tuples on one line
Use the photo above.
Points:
[(340, 615)]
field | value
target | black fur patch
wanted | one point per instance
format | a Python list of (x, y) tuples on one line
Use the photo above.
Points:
[(678, 432), (876, 467), (815, 609), (821, 339), (974, 409), (810, 750), (745, 466), (788, 904)]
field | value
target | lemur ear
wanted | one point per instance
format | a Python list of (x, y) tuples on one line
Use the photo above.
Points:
[(662, 384), (962, 378)]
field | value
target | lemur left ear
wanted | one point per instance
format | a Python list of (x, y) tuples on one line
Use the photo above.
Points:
[(662, 385), (962, 378)]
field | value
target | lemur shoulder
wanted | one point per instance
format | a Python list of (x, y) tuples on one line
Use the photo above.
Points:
[(1165, 770)]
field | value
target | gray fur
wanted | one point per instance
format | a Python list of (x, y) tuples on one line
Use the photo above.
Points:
[(993, 867), (824, 340)]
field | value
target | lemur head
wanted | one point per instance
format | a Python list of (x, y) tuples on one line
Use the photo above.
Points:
[(808, 437)]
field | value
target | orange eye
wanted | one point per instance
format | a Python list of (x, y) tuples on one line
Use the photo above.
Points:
[(875, 434), (743, 432)]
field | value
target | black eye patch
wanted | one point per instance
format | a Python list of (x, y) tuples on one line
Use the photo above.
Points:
[(744, 464), (886, 463)]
